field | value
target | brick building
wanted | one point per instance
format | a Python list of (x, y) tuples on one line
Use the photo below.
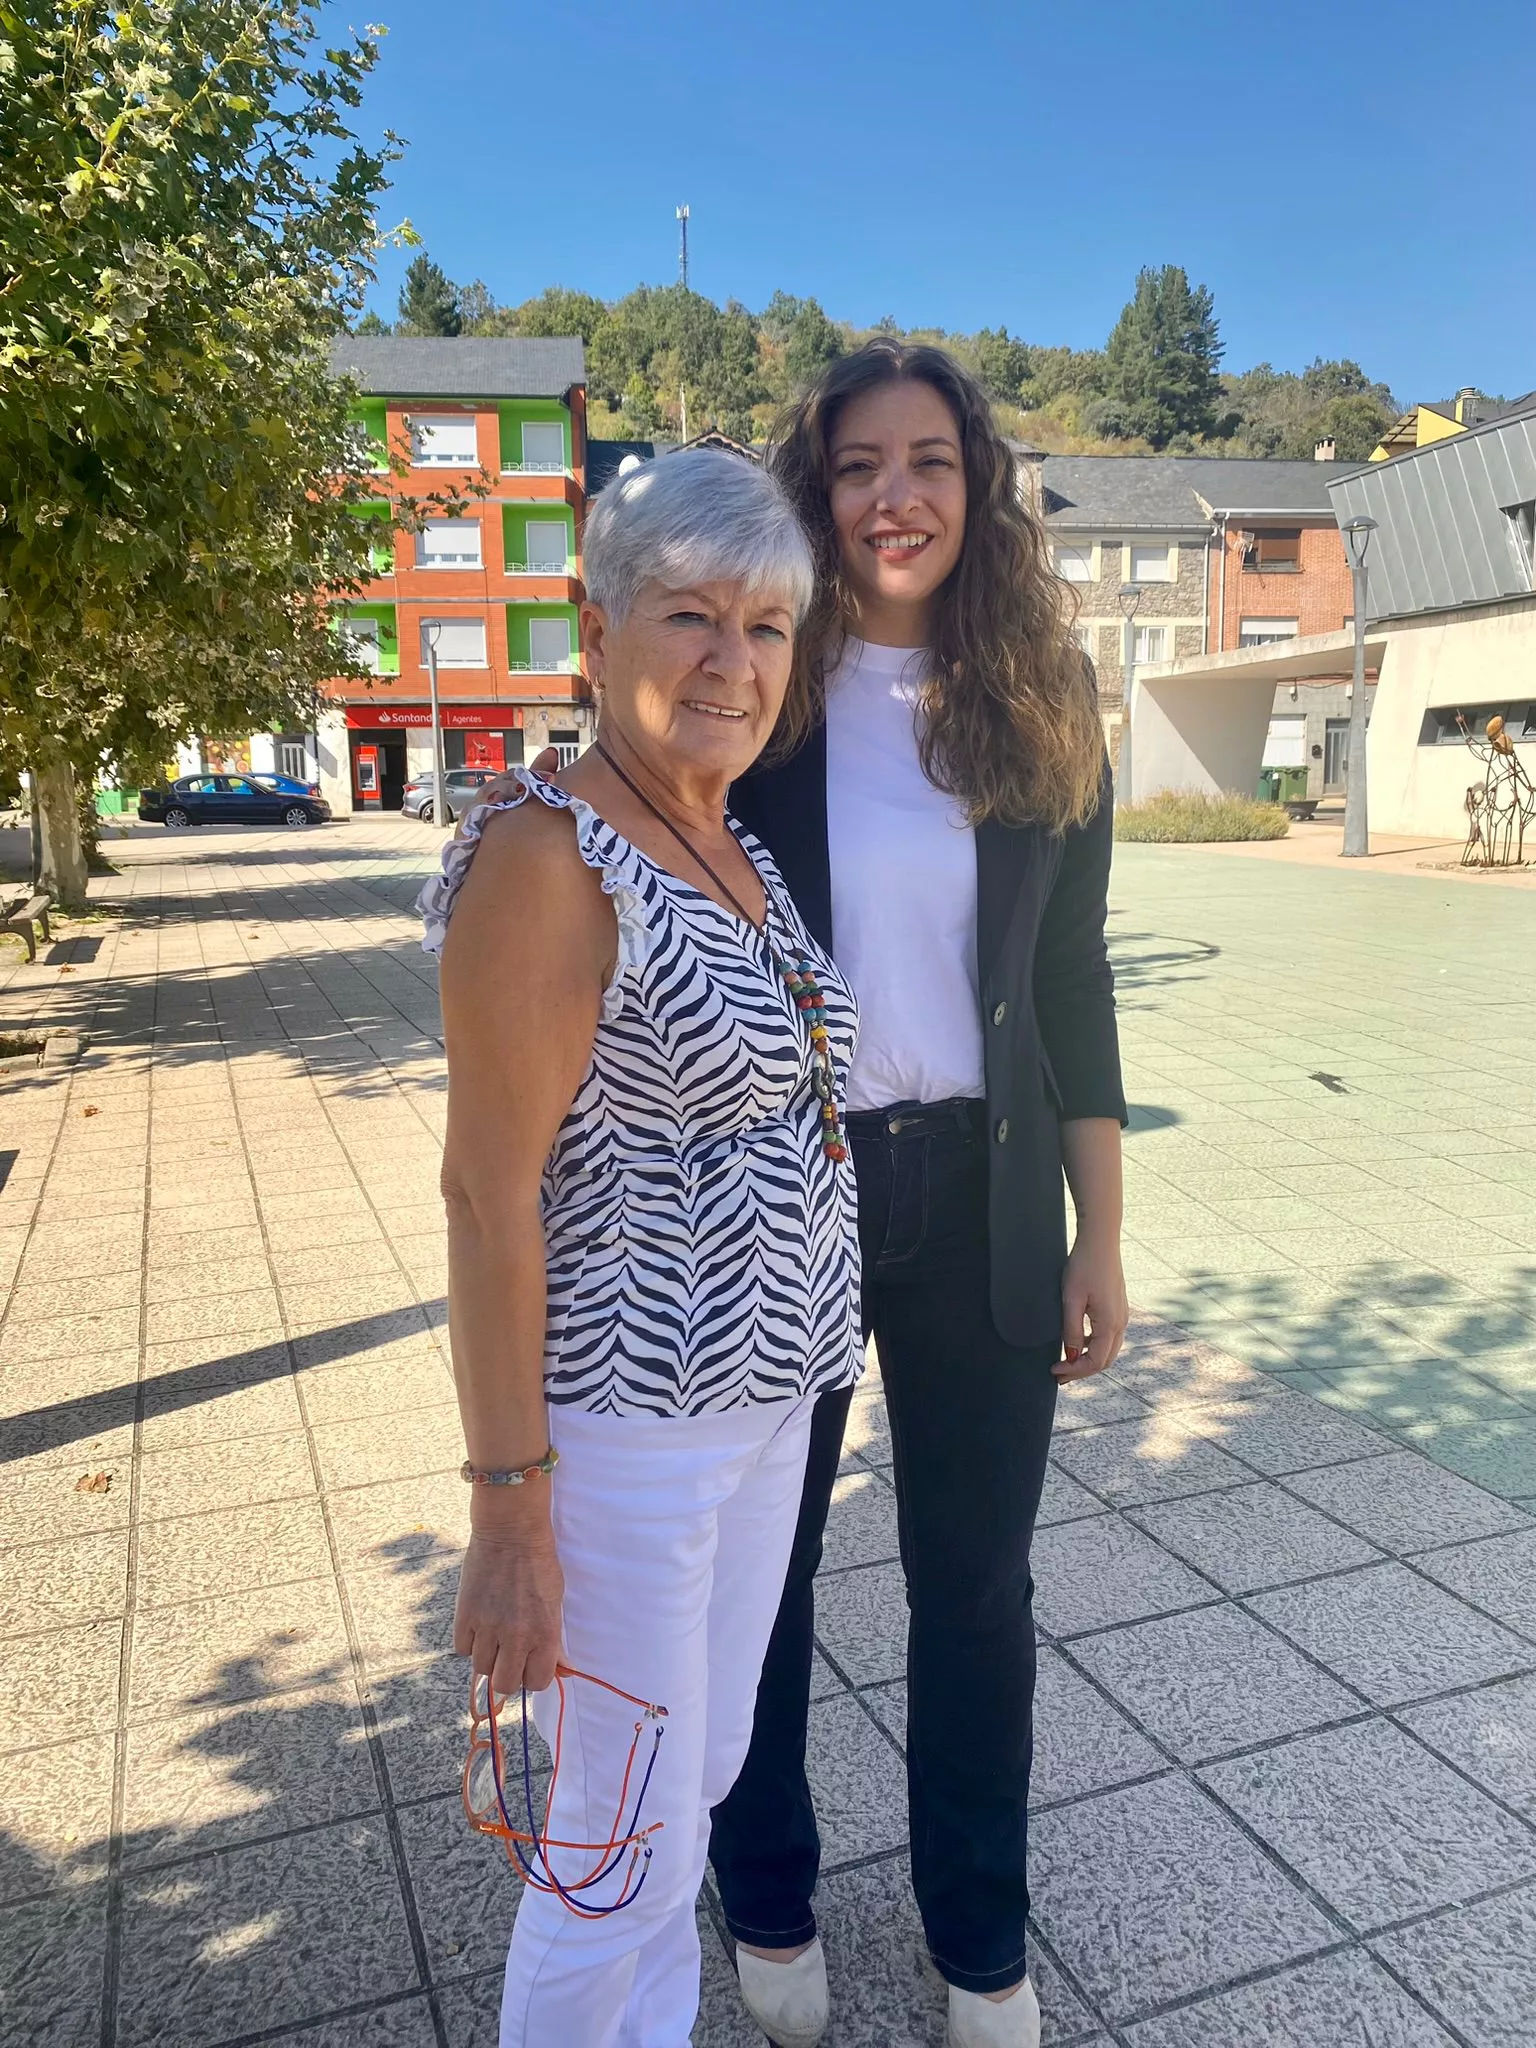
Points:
[(1227, 553), (497, 589)]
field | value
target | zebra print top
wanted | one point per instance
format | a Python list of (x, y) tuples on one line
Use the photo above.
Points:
[(702, 1249)]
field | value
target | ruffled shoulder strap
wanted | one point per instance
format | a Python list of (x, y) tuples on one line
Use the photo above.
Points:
[(610, 856)]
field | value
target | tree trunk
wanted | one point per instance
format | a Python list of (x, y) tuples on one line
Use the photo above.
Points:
[(63, 857)]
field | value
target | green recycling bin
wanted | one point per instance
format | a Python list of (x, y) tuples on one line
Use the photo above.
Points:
[(1268, 791)]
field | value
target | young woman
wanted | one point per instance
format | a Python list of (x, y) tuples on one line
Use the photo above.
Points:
[(937, 800), (653, 1260)]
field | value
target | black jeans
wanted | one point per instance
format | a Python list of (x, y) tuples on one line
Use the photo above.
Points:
[(970, 1427)]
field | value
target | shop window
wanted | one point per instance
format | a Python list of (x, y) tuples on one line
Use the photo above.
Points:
[(1275, 552)]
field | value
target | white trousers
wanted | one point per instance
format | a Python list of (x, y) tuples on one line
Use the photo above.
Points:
[(674, 1535)]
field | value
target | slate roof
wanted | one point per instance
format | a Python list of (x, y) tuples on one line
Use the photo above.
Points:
[(435, 366), (604, 457), (1178, 493)]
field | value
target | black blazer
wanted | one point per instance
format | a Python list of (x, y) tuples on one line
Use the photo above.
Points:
[(1048, 1007)]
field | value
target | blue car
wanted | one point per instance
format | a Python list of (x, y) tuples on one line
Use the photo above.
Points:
[(231, 800)]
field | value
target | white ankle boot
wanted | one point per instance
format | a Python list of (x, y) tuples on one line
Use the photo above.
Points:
[(788, 2000), (977, 2022)]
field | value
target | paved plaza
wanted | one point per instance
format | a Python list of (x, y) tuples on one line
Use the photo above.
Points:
[(1286, 1731)]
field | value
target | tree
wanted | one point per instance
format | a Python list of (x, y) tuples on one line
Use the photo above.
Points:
[(1161, 361), (557, 311), (429, 304), (475, 307), (810, 345), (1282, 414), (178, 471), (1002, 363), (372, 324)]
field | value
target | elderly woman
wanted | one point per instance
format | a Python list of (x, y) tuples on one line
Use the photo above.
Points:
[(652, 1240)]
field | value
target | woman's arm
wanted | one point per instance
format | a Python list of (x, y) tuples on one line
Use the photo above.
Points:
[(1093, 1286), (529, 949)]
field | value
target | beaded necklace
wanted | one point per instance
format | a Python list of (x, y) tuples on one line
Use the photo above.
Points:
[(798, 976)]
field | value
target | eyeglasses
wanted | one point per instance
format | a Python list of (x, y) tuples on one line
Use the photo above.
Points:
[(489, 1803)]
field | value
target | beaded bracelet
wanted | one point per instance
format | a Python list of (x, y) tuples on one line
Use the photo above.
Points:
[(476, 1475)]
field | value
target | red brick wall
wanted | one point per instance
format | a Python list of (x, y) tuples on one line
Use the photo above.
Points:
[(1318, 596)]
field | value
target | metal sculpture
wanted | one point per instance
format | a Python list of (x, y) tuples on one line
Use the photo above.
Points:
[(1500, 807)]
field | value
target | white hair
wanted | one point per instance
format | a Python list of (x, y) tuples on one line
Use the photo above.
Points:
[(700, 516)]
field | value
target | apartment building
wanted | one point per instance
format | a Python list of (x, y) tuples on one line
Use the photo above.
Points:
[(1226, 553), (495, 592)]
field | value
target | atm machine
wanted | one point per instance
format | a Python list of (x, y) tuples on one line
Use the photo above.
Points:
[(365, 779)]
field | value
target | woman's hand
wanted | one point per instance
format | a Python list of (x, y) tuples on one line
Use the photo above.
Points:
[(1094, 1309), (507, 1619)]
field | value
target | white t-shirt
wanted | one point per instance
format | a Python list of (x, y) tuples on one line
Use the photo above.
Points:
[(903, 891)]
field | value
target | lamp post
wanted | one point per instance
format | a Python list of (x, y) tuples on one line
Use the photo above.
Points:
[(1357, 837), (440, 815), (1130, 595)]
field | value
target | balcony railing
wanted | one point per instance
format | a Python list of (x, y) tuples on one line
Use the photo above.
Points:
[(566, 566), (567, 665), (536, 469)]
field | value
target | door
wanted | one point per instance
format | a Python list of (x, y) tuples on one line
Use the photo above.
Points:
[(1335, 755), (549, 645), (240, 802), (391, 770)]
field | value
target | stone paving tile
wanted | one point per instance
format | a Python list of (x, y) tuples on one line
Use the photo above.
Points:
[(1475, 1966), (1082, 1742), (465, 1889), (1403, 1502), (272, 1928), (1252, 1536), (861, 1622), (194, 1557), (1150, 1893), (57, 1683), (177, 1415), (405, 2023), (369, 1448), (1213, 1680), (858, 1783), (1375, 1825), (51, 1969), (1093, 1574), (1284, 1434), (1064, 1499), (212, 1779), (1497, 1574), (861, 1526), (1393, 1636), (72, 1579), (237, 1472), (1341, 1998), (55, 1816), (246, 1644), (1151, 1459), (1489, 1735)]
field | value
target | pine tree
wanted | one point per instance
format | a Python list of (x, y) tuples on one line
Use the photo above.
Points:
[(1161, 361), (428, 302)]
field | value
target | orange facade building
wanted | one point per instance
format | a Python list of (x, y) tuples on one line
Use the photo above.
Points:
[(495, 590)]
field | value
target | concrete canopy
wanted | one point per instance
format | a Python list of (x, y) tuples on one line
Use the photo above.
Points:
[(1200, 723)]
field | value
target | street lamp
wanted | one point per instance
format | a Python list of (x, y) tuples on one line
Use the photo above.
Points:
[(1357, 838), (440, 815), (1130, 596)]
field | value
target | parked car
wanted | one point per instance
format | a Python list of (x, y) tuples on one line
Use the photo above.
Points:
[(230, 800), (285, 785), (459, 787)]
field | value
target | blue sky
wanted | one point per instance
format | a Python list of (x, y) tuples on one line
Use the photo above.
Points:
[(1352, 178)]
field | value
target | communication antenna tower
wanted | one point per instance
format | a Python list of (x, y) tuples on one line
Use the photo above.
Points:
[(682, 246)]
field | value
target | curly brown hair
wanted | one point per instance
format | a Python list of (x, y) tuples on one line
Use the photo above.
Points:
[(1010, 721)]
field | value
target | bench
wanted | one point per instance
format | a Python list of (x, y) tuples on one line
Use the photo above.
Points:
[(20, 915)]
